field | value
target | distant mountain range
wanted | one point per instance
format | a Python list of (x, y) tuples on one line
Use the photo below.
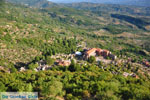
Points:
[(124, 2), (34, 3), (49, 3)]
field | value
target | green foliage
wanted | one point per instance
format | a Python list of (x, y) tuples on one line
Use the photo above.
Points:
[(92, 59), (74, 67), (49, 60), (81, 84), (1, 31), (7, 38), (114, 30), (8, 65), (13, 69), (32, 66), (53, 88), (29, 87), (137, 21), (2, 87)]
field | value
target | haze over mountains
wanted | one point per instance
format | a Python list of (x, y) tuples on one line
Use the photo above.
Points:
[(48, 3), (125, 2), (34, 3)]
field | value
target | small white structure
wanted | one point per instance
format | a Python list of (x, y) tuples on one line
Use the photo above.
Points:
[(43, 68), (127, 74), (35, 70), (22, 69), (78, 53)]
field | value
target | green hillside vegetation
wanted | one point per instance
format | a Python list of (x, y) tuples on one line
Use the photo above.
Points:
[(136, 21), (28, 35), (35, 29), (89, 82), (34, 3), (103, 8)]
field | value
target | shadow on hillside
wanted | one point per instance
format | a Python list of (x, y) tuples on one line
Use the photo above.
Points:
[(136, 21), (20, 64)]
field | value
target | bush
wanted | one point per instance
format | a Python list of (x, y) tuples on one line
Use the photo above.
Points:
[(92, 59), (32, 66), (49, 60)]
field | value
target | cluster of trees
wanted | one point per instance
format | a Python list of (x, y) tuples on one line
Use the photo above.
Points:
[(77, 82), (49, 60), (92, 59), (62, 45), (71, 16), (114, 30), (66, 46), (8, 66)]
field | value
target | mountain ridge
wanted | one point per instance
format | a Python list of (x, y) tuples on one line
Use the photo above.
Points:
[(34, 3), (123, 2)]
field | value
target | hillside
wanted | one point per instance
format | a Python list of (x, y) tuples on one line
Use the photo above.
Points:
[(38, 51), (111, 8), (72, 21), (122, 2), (34, 3)]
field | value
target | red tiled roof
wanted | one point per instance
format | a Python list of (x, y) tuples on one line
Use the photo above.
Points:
[(91, 50), (98, 49), (106, 51), (147, 63), (63, 63)]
